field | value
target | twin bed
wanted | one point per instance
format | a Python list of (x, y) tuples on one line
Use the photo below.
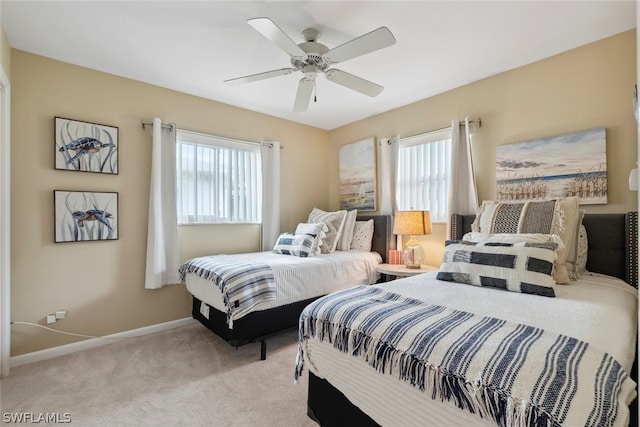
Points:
[(427, 350), (298, 281), (422, 351)]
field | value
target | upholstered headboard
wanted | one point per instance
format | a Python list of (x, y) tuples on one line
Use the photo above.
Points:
[(383, 238), (613, 242)]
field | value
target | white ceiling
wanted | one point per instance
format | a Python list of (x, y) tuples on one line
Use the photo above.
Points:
[(192, 46)]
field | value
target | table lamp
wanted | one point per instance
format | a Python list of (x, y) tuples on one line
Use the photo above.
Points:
[(412, 223)]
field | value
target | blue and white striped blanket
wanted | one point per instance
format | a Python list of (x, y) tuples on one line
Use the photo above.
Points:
[(513, 374), (244, 284)]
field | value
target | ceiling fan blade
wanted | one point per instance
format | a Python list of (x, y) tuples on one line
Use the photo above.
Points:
[(370, 42), (260, 76), (303, 96), (273, 33), (353, 82)]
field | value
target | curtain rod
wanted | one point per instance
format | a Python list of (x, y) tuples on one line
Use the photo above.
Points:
[(170, 126), (477, 121), (148, 123)]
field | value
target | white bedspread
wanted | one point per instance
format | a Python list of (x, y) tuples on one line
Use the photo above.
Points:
[(597, 309), (297, 278)]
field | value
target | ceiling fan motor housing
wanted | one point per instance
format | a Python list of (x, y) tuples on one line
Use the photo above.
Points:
[(314, 55)]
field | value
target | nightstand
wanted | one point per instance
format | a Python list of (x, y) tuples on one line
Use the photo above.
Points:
[(400, 270)]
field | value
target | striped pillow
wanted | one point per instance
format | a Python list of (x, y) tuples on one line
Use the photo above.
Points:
[(556, 216), (317, 229), (300, 245), (524, 267)]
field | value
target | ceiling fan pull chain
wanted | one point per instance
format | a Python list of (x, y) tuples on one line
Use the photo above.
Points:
[(315, 92)]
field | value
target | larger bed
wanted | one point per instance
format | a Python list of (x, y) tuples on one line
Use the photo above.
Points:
[(298, 281), (359, 378)]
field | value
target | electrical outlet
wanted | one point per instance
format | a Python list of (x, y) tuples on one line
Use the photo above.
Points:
[(51, 318), (61, 314)]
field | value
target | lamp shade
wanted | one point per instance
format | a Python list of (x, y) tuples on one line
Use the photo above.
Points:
[(412, 222)]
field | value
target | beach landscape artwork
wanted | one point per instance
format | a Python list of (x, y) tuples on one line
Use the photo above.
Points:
[(573, 164), (358, 175)]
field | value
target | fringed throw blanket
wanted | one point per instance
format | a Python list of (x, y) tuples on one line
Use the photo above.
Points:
[(513, 374), (244, 284)]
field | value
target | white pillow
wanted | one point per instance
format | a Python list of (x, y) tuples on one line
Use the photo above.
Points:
[(344, 244), (362, 236), (318, 229), (572, 251), (334, 222), (579, 266)]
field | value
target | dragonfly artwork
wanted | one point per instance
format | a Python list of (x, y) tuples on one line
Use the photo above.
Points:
[(86, 147), (85, 216)]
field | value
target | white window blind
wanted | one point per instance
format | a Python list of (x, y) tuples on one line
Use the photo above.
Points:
[(423, 173), (219, 180)]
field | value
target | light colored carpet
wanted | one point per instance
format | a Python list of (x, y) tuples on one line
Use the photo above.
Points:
[(183, 377)]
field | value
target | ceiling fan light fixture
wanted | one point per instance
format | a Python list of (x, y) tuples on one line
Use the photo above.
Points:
[(310, 34)]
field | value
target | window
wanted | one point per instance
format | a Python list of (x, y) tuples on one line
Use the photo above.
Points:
[(423, 173), (219, 180)]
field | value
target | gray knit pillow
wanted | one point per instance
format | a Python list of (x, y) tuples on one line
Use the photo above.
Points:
[(334, 221)]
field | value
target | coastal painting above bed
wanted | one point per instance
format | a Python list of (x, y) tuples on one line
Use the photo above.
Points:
[(573, 164), (358, 175)]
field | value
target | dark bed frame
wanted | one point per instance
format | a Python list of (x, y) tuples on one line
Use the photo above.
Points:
[(613, 250), (260, 325)]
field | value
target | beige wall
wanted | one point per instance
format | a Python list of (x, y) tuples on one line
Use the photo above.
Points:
[(585, 88), (5, 53), (101, 283)]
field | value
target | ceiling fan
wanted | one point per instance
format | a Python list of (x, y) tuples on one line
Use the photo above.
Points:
[(312, 58)]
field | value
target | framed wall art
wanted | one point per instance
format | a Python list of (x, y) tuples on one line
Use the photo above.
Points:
[(573, 164), (86, 147), (357, 163), (82, 216)]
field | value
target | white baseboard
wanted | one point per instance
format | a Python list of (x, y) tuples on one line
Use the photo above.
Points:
[(49, 353)]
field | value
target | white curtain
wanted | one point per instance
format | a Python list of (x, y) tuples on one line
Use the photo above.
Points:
[(463, 195), (163, 258), (270, 194), (389, 148)]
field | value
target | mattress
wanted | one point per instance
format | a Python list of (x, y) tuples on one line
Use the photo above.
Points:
[(299, 278), (597, 309)]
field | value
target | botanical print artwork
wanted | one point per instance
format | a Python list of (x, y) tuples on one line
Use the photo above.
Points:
[(87, 147), (358, 175), (567, 165), (85, 216)]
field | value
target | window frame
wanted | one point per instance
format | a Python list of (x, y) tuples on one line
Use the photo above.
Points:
[(252, 176), (407, 199)]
